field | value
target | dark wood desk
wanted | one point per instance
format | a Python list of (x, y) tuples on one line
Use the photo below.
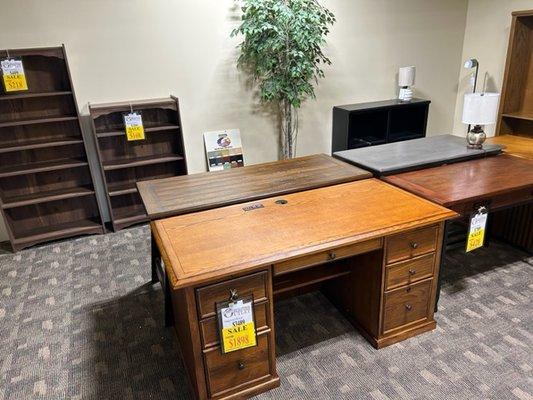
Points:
[(184, 194), (514, 225), (378, 261), (500, 182)]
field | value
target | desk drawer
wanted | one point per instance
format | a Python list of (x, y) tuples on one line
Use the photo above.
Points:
[(411, 244), (228, 371), (406, 305), (325, 256), (207, 296), (209, 327), (495, 203), (410, 271)]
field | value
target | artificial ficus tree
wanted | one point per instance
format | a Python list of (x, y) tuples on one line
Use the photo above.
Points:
[(282, 49)]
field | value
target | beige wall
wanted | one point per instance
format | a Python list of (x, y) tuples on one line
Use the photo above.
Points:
[(486, 38), (135, 49)]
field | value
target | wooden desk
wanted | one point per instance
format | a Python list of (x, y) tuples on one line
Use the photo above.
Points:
[(184, 194), (500, 182), (514, 225), (377, 260), (519, 146)]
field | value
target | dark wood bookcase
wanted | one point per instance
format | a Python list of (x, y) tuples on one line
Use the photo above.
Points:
[(123, 163), (515, 115), (379, 122), (46, 185)]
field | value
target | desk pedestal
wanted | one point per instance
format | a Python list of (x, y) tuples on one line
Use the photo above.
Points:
[(385, 286)]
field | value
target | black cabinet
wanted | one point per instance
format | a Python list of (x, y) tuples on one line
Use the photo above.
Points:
[(367, 124)]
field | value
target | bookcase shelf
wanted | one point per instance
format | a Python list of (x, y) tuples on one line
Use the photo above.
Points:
[(32, 168), (147, 130), (46, 186), (515, 116), (9, 147), (44, 197), (140, 161), (380, 122), (123, 163), (37, 121), (33, 95)]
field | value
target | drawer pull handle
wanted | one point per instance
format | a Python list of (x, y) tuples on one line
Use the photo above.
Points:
[(412, 272), (233, 295), (408, 307), (332, 255), (241, 365), (414, 245)]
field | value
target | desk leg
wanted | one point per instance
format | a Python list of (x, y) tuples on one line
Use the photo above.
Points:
[(442, 258), (160, 275), (169, 312), (154, 257)]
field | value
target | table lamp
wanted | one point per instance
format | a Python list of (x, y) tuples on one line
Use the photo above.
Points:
[(479, 109), (406, 79)]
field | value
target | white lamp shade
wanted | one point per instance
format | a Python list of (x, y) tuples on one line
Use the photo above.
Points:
[(480, 108), (406, 76)]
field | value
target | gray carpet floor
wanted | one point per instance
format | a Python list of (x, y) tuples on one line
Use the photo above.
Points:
[(79, 321)]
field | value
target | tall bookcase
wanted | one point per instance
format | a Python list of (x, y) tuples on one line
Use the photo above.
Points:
[(515, 118), (515, 115), (46, 185), (161, 154)]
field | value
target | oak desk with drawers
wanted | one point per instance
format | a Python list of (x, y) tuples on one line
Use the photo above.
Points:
[(376, 260), (184, 194)]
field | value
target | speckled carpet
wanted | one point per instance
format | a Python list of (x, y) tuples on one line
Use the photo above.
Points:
[(79, 321)]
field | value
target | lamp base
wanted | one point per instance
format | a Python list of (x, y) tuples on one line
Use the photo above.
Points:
[(406, 94), (475, 138)]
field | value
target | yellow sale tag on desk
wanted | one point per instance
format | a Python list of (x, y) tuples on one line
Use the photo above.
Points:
[(476, 232), (13, 76), (133, 123), (237, 326)]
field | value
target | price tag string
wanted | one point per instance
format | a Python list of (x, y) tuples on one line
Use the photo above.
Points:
[(131, 108), (7, 52)]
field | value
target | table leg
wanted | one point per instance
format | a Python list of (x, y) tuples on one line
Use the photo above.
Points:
[(159, 275), (154, 257), (169, 313), (442, 258)]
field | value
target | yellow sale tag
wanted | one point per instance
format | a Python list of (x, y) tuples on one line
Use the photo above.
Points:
[(476, 233), (475, 240), (134, 126), (239, 337), (237, 327), (13, 76)]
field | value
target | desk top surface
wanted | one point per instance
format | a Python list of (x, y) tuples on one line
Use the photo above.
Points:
[(217, 243), (466, 181), (413, 154), (196, 192), (519, 146)]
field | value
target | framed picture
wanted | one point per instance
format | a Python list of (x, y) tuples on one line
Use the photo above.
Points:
[(223, 149)]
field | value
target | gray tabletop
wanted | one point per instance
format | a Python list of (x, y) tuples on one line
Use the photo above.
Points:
[(414, 154)]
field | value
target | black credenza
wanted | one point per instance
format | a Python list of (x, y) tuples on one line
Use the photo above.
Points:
[(368, 124)]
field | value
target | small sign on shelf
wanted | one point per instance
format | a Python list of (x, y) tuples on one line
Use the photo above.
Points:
[(13, 75), (133, 124)]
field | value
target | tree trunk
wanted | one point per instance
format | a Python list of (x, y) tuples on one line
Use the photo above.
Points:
[(288, 130)]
